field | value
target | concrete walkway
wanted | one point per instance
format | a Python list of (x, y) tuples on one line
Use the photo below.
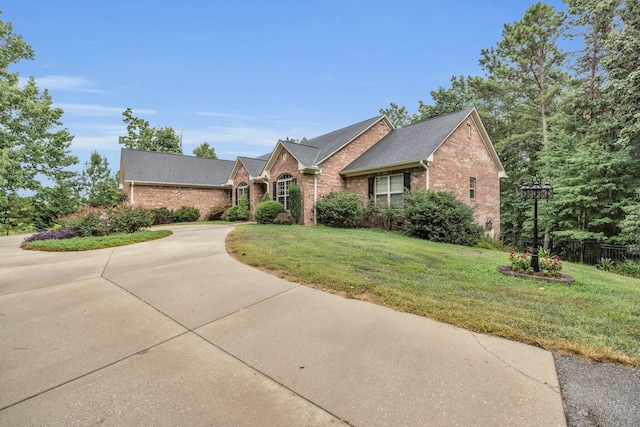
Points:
[(176, 332)]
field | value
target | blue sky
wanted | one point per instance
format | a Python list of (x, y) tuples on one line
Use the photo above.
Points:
[(243, 74)]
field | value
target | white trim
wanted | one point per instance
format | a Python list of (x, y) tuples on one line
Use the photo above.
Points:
[(315, 199), (177, 184)]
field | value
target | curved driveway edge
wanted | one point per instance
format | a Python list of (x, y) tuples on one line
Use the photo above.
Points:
[(176, 332)]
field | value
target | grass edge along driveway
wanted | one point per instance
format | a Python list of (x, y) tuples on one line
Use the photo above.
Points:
[(597, 317)]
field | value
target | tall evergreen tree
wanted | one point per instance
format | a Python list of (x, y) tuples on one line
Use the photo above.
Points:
[(525, 77), (100, 187)]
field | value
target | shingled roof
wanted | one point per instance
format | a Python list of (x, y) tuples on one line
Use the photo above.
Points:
[(253, 166), (409, 144), (151, 167), (313, 152)]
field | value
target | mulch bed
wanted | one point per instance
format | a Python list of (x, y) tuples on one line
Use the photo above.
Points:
[(560, 278)]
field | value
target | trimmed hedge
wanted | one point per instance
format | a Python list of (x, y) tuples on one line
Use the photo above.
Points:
[(440, 217), (267, 211), (186, 214), (341, 209)]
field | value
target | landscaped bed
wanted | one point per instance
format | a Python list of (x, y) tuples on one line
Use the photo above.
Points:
[(597, 316), (95, 242)]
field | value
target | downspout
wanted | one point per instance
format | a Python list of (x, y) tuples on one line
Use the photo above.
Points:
[(426, 167), (315, 198), (132, 201)]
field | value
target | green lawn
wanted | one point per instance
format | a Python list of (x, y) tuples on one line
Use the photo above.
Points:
[(90, 243), (597, 317)]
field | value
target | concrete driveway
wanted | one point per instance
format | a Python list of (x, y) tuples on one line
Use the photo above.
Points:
[(176, 332)]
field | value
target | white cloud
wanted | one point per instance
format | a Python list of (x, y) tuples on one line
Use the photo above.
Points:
[(93, 110), (60, 82)]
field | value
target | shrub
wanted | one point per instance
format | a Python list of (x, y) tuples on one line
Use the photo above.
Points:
[(389, 216), (494, 244), (186, 214), (217, 212), (266, 197), (59, 234), (339, 210), (440, 217), (243, 208), (162, 215), (283, 218), (295, 202), (232, 213), (102, 221), (129, 219), (368, 214), (86, 222), (267, 211), (628, 268)]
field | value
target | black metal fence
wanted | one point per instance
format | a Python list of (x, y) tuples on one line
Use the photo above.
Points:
[(586, 251)]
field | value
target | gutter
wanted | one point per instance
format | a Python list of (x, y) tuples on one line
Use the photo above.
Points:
[(426, 167)]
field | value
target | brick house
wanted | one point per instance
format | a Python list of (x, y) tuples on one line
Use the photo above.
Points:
[(154, 180), (371, 158)]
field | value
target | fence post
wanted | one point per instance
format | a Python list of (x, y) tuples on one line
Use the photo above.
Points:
[(598, 252)]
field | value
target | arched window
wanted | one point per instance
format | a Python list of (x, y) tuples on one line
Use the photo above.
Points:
[(243, 188), (282, 189)]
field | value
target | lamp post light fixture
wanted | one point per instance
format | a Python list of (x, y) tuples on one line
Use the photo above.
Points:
[(531, 190)]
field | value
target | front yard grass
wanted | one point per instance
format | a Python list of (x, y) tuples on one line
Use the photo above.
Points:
[(90, 243), (597, 317)]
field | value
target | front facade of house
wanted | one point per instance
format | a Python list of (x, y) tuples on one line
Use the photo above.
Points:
[(371, 159)]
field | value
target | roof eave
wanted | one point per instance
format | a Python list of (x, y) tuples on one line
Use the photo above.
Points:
[(383, 168), (382, 117), (178, 184)]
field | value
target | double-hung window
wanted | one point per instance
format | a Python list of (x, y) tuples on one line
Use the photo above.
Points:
[(389, 191), (472, 188), (282, 190)]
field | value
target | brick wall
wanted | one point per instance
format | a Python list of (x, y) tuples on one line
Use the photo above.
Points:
[(330, 179), (152, 196), (460, 158), (360, 184), (285, 163), (256, 190)]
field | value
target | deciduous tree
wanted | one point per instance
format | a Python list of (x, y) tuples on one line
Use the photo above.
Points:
[(204, 150), (33, 144), (141, 136)]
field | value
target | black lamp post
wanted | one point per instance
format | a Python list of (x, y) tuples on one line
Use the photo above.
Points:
[(533, 191)]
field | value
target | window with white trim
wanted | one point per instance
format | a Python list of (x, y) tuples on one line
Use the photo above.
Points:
[(282, 189), (243, 188), (389, 191)]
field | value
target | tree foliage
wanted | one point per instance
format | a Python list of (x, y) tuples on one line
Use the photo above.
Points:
[(141, 136), (33, 144), (295, 202), (100, 187), (572, 118), (440, 217), (204, 150)]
